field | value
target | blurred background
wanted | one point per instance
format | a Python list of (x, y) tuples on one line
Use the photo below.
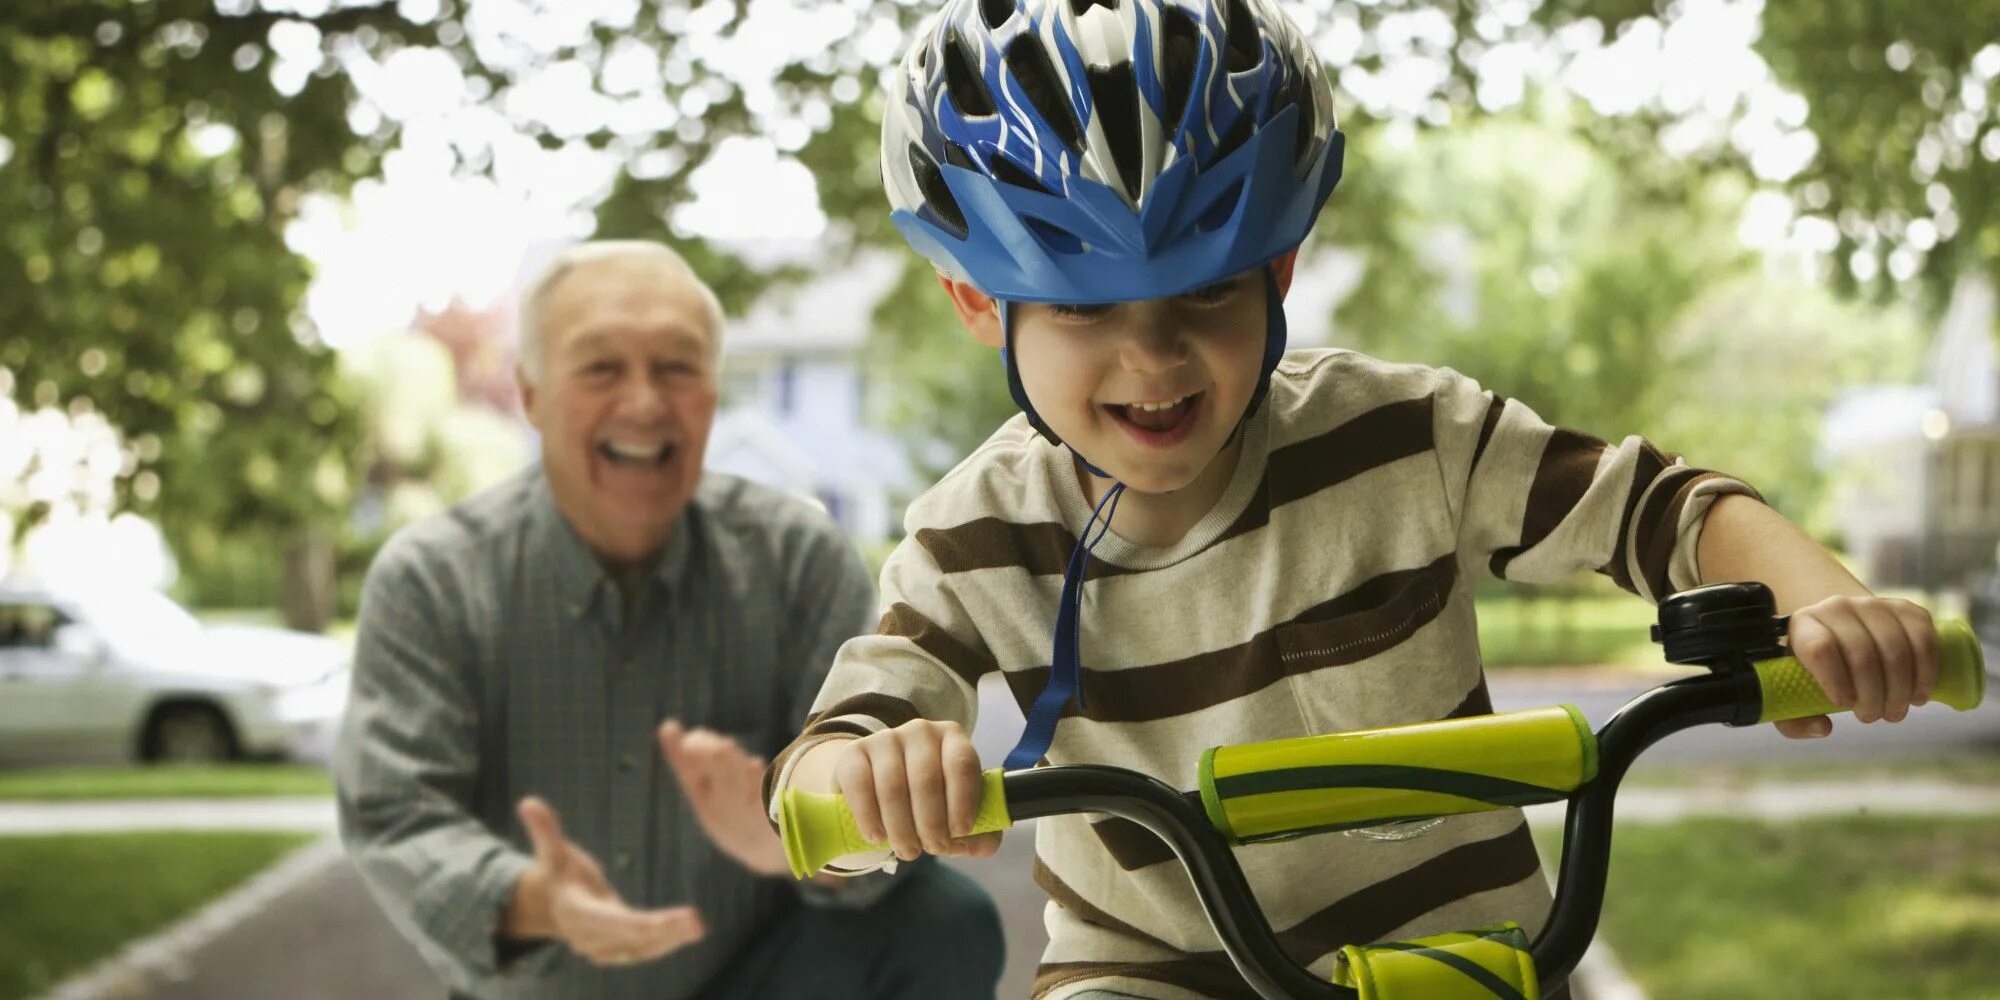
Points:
[(258, 267)]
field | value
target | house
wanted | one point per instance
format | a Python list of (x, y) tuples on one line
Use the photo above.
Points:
[(1919, 500), (793, 388)]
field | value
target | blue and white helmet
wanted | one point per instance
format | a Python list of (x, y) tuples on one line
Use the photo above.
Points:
[(1091, 151)]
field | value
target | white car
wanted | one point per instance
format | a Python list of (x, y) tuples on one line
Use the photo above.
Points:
[(95, 674)]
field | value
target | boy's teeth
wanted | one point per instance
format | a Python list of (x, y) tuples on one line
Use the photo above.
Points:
[(1155, 407)]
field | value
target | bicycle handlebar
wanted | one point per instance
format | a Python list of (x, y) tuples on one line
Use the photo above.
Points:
[(1310, 785)]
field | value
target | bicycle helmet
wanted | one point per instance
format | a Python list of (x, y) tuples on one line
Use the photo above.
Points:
[(1097, 151)]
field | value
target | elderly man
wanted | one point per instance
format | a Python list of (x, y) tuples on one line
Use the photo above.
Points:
[(521, 655)]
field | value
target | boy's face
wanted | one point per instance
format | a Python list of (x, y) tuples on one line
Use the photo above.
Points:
[(1147, 391)]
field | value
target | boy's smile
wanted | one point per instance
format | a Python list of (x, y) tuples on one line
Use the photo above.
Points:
[(1161, 423)]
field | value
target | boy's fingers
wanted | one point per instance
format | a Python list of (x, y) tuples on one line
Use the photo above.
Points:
[(1893, 653), (1863, 664), (855, 777), (892, 794), (1818, 649), (1922, 632), (962, 780), (927, 792), (1806, 729)]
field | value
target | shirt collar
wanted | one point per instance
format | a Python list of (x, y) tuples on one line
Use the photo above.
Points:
[(580, 579)]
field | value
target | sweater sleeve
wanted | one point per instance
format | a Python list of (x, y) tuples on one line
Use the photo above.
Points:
[(924, 661), (1537, 502)]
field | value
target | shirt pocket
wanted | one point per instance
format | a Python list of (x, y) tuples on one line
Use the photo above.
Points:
[(1337, 657)]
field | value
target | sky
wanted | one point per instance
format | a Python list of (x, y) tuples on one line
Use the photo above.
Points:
[(420, 235)]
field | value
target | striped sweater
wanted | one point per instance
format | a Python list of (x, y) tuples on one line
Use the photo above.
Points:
[(1330, 589)]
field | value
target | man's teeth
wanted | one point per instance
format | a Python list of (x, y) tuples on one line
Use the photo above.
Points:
[(635, 452)]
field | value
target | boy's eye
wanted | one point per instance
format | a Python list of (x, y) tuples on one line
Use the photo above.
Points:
[(1211, 294), (1088, 311)]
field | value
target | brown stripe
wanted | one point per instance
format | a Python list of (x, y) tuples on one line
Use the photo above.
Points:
[(1219, 980), (1082, 909), (1477, 702), (1492, 421), (967, 662), (1368, 619), (1659, 525), (1647, 468), (1364, 916), (889, 710), (1371, 913), (1131, 845), (1569, 463), (1042, 548), (1371, 440)]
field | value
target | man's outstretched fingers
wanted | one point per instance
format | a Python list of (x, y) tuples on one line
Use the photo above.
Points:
[(544, 832)]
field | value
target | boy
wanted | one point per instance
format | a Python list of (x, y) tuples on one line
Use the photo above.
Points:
[(1113, 192)]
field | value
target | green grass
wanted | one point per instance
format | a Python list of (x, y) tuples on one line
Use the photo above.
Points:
[(1891, 907), (1566, 631), (73, 900), (1964, 769), (163, 782)]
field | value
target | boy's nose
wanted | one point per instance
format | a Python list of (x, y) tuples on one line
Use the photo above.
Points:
[(1154, 344)]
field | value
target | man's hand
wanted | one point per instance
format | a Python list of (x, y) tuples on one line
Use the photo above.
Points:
[(565, 896), (1876, 656), (724, 784)]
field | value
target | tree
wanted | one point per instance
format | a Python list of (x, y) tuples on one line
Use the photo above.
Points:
[(1901, 99)]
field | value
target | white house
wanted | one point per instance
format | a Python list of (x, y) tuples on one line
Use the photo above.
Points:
[(1919, 499)]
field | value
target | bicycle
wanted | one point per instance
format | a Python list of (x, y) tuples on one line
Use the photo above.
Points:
[(1319, 784)]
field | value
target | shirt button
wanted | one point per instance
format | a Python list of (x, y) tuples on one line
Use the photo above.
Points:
[(623, 860), (628, 762), (628, 663)]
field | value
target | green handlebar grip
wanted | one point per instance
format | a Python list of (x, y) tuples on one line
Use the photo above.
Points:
[(1790, 692), (818, 827)]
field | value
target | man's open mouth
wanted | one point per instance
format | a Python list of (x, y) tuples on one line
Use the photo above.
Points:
[(636, 456)]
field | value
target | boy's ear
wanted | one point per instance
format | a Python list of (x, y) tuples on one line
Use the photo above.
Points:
[(979, 313), (1283, 270)]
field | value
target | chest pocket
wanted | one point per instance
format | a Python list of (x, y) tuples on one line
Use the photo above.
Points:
[(1322, 650)]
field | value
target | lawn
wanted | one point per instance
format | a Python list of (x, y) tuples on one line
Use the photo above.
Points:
[(1891, 907), (1566, 631), (73, 900), (162, 782)]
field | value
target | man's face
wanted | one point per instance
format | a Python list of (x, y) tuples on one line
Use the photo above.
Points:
[(1147, 391), (625, 400)]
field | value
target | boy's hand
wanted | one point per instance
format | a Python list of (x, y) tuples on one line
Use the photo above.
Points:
[(1873, 655), (915, 787)]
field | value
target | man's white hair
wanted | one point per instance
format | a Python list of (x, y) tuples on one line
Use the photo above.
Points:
[(534, 348)]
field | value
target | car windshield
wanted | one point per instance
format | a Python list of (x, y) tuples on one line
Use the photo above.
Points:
[(137, 619)]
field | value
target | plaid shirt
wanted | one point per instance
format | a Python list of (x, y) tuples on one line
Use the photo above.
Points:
[(495, 660)]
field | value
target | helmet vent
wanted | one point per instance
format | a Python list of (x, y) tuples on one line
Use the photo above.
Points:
[(1238, 134), (1180, 48), (1006, 171), (961, 78), (1217, 214), (996, 12), (937, 197), (1077, 7), (1246, 48), (1115, 101), (1056, 239), (1030, 67)]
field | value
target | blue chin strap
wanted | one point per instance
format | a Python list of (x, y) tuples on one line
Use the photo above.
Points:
[(1066, 669)]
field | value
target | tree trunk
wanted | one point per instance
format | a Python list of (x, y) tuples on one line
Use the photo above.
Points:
[(306, 591)]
